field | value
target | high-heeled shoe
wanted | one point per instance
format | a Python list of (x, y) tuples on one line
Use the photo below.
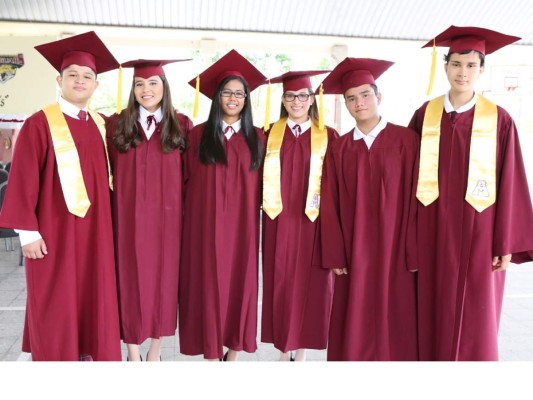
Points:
[(225, 356)]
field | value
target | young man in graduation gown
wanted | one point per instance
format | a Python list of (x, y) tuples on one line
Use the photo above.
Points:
[(474, 210), (367, 224), (58, 196)]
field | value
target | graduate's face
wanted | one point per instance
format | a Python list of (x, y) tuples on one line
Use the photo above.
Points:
[(363, 103), (463, 70), (232, 105), (77, 84), (298, 109), (148, 92)]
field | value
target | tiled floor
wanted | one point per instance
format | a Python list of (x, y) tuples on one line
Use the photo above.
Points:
[(516, 330)]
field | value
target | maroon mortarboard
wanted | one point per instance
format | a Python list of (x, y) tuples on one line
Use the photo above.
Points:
[(231, 64), (296, 80), (147, 68), (461, 38), (354, 72), (86, 50)]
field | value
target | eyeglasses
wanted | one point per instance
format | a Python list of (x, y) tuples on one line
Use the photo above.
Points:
[(301, 96), (239, 94)]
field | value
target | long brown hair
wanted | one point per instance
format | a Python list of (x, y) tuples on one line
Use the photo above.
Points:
[(127, 134)]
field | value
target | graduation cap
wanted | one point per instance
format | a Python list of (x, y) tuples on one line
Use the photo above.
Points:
[(231, 64), (86, 50), (463, 38), (294, 80), (147, 68), (354, 72)]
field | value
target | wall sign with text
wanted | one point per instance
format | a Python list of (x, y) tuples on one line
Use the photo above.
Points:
[(9, 66)]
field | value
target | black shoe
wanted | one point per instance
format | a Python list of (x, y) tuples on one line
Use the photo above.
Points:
[(225, 356)]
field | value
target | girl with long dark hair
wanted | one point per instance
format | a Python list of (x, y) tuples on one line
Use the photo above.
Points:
[(219, 277)]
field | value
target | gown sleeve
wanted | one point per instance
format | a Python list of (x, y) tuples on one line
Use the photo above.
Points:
[(22, 192), (514, 213), (412, 161), (332, 252)]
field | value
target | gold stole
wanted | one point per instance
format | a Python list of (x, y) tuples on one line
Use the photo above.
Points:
[(481, 190), (68, 161), (272, 203), (100, 123), (428, 176)]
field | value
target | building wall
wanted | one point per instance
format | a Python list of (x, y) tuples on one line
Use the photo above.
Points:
[(33, 85)]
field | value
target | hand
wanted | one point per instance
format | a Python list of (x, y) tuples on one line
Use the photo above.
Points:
[(340, 271), (501, 263), (35, 250)]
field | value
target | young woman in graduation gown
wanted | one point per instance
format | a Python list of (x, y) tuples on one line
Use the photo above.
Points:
[(147, 141), (296, 294), (219, 264)]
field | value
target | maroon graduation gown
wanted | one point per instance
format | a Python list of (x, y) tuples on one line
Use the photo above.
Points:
[(460, 298), (367, 226), (72, 298), (147, 220), (296, 295), (219, 263)]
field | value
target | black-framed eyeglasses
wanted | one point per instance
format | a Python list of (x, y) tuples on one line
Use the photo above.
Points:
[(291, 96), (239, 94)]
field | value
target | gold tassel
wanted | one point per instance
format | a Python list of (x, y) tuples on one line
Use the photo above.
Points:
[(119, 90), (432, 71), (321, 108), (196, 97), (266, 126)]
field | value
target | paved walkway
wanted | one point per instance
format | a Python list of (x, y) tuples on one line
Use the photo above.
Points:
[(516, 330)]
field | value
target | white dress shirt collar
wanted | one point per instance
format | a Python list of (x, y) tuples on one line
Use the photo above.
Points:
[(70, 109), (236, 128), (465, 107), (303, 126), (143, 116), (372, 135)]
